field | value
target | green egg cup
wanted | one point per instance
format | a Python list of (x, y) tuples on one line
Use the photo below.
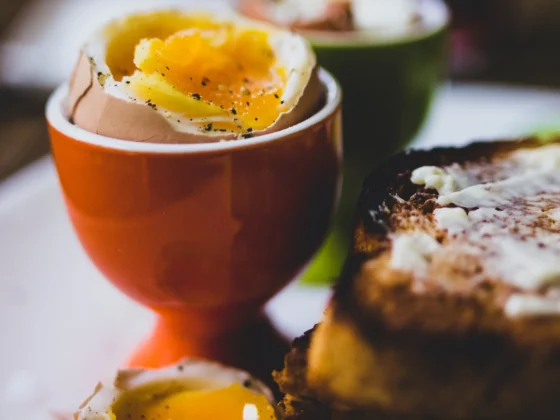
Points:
[(388, 87), (546, 132)]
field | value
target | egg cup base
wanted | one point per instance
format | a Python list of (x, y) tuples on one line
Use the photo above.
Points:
[(256, 347)]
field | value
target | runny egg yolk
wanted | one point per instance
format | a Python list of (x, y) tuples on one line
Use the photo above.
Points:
[(232, 403), (219, 73)]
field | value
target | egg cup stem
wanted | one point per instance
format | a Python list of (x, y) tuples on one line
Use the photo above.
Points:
[(254, 345)]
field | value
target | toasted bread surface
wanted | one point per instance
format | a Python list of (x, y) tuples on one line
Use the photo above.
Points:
[(455, 291), (448, 306)]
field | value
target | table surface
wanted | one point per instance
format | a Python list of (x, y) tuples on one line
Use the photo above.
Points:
[(62, 327)]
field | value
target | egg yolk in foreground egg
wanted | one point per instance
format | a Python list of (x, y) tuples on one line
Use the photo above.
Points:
[(232, 403), (209, 71)]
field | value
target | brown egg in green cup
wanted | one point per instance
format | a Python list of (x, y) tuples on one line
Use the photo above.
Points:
[(389, 56)]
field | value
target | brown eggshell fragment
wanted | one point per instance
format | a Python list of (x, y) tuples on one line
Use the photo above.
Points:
[(83, 405), (94, 110)]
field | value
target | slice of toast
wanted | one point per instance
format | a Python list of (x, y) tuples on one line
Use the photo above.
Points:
[(449, 305)]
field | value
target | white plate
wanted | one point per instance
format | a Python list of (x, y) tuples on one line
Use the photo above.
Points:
[(62, 327)]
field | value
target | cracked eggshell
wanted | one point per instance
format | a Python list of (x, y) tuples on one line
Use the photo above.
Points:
[(197, 372), (98, 104)]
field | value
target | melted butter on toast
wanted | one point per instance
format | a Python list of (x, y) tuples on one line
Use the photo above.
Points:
[(509, 219)]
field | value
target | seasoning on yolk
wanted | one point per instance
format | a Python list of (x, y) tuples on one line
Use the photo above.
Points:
[(125, 34), (232, 73), (225, 404)]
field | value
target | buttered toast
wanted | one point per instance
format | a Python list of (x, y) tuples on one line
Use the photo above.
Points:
[(449, 305)]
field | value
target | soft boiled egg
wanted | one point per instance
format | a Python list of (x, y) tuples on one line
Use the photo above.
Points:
[(177, 77), (191, 389)]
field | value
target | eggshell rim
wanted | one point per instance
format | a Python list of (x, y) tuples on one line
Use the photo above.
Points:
[(57, 117)]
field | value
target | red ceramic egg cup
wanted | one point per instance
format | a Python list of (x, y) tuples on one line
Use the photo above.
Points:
[(203, 234)]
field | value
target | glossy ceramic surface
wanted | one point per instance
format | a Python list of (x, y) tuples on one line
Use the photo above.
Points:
[(202, 234)]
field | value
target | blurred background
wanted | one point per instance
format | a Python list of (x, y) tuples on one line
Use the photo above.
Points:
[(503, 41)]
